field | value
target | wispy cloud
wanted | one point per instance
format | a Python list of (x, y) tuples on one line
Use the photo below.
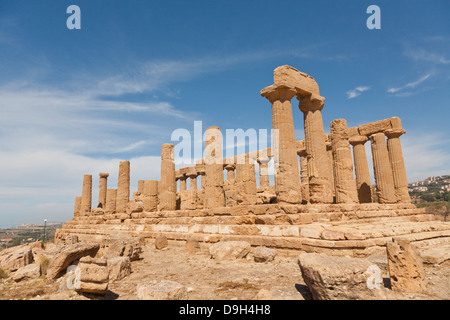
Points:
[(410, 85), (427, 56), (356, 92)]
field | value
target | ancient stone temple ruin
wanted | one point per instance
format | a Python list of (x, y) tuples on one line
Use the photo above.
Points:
[(325, 204)]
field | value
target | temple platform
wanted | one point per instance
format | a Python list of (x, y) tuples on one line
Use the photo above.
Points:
[(336, 229)]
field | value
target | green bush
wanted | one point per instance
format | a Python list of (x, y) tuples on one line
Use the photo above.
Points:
[(3, 274)]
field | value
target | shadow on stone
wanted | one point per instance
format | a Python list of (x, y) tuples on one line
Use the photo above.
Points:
[(304, 291)]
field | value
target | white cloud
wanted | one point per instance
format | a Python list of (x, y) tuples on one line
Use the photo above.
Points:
[(423, 55), (356, 92), (410, 85)]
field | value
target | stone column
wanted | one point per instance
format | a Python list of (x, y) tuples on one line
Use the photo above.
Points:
[(397, 162), (287, 177), (363, 183), (344, 180), (304, 175), (214, 195), (193, 182), (230, 173), (111, 197), (123, 187), (245, 181), (141, 186), (382, 169), (102, 186), (150, 195), (330, 164), (320, 188), (77, 207), (86, 195), (182, 180), (168, 184), (264, 174)]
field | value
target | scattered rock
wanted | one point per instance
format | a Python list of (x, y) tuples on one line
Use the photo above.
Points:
[(121, 245), (67, 255), (161, 290), (436, 255), (339, 278), (92, 276), (161, 242), (119, 268), (405, 267), (15, 258), (30, 271), (71, 239), (192, 246), (229, 250), (263, 254), (279, 293)]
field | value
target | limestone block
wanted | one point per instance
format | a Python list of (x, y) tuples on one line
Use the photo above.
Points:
[(68, 254), (123, 187), (161, 290), (405, 267), (119, 268), (374, 127), (289, 76), (135, 206), (30, 271), (264, 254), (192, 246), (92, 276), (339, 278), (161, 242), (229, 250), (121, 245), (15, 258)]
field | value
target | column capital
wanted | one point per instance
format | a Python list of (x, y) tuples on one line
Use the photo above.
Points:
[(181, 176), (104, 175), (394, 133), (310, 102), (278, 92), (355, 140), (229, 166)]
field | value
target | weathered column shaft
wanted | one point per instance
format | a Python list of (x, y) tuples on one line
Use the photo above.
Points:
[(123, 187), (77, 207), (86, 195), (382, 169), (304, 175), (183, 184), (230, 173), (330, 164), (246, 181), (141, 186), (320, 188), (344, 180), (102, 186), (150, 195), (398, 165), (287, 177), (192, 182), (168, 184), (363, 182), (214, 195), (263, 174), (111, 197)]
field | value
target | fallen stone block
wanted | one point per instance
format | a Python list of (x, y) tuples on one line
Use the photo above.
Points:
[(121, 245), (340, 278), (192, 246), (161, 290), (405, 267), (15, 258), (119, 268), (161, 242), (67, 255), (30, 271), (263, 254), (92, 276), (229, 250)]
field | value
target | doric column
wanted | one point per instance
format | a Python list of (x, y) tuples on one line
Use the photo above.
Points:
[(304, 175), (182, 180), (86, 195), (193, 182), (230, 173), (168, 184), (111, 197), (141, 186), (77, 207), (214, 195), (397, 162), (102, 186), (320, 188), (123, 187), (382, 169), (363, 183), (286, 173), (264, 173), (344, 180), (150, 195), (330, 164), (246, 181)]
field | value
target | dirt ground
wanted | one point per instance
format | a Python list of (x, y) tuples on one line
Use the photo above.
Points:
[(205, 278)]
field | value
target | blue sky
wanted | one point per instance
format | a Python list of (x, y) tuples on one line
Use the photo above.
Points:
[(79, 101)]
